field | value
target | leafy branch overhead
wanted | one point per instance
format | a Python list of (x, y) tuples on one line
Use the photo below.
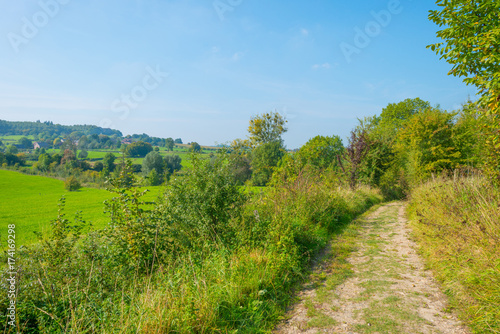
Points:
[(471, 43), (471, 40)]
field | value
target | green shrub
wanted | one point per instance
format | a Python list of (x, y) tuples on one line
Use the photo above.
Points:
[(201, 205), (153, 178), (264, 159), (72, 184)]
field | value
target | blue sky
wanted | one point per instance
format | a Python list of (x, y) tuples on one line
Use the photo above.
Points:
[(199, 69)]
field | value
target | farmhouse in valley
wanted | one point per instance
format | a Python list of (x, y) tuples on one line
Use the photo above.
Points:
[(40, 145)]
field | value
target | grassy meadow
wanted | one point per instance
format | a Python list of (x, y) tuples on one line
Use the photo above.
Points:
[(13, 139), (31, 202)]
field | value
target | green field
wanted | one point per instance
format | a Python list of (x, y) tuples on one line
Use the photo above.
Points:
[(93, 154), (11, 140), (15, 137), (30, 202), (97, 155)]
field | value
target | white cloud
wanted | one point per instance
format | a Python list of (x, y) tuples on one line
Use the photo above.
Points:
[(325, 66), (237, 56), (304, 32)]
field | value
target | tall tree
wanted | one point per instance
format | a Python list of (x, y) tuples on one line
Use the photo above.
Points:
[(44, 161), (381, 133), (25, 143), (12, 149), (173, 163), (68, 156), (153, 160), (355, 153), (109, 162), (83, 154), (426, 145), (266, 128), (471, 44), (240, 167), (195, 147), (321, 152), (68, 144), (265, 138), (393, 117), (169, 144), (264, 158), (138, 149)]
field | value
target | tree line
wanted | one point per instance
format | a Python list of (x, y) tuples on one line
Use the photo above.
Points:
[(49, 130)]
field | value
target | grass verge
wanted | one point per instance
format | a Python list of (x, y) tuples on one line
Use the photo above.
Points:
[(456, 223)]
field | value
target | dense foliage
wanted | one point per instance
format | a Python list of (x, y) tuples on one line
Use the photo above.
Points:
[(195, 147), (220, 260), (265, 158), (471, 44), (157, 168), (138, 149), (72, 184), (411, 141), (49, 129), (322, 152)]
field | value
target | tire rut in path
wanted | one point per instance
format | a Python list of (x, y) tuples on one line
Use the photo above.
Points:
[(388, 291)]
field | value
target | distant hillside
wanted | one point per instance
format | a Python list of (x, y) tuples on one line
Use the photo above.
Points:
[(89, 136), (51, 130)]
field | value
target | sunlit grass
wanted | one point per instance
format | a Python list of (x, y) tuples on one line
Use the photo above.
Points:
[(14, 138), (30, 202), (457, 224)]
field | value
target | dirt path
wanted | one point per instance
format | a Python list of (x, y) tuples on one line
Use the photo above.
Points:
[(388, 289)]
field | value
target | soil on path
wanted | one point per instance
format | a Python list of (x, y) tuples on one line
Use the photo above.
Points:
[(388, 289)]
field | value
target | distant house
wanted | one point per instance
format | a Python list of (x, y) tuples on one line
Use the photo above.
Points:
[(127, 141), (38, 144)]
